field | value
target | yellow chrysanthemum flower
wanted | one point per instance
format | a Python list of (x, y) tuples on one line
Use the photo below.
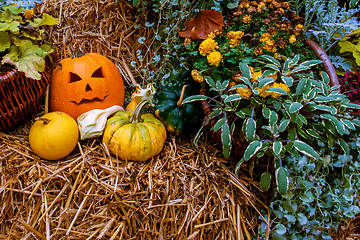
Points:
[(260, 7), (270, 46), (265, 37), (246, 19), (214, 58), (292, 39), (197, 76), (245, 92), (187, 41), (207, 46), (29, 13), (258, 50), (234, 42), (264, 93)]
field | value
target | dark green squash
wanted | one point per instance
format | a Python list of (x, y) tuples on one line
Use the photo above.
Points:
[(177, 117)]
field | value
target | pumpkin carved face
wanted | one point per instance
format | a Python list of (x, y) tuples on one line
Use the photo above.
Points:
[(81, 84)]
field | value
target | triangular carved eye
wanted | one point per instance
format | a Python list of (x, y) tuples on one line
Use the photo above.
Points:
[(98, 73), (74, 77)]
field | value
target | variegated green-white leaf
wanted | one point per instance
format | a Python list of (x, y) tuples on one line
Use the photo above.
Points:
[(282, 180), (273, 67), (226, 140), (215, 113), (252, 149), (210, 81), (313, 133), (306, 149), (262, 82), (219, 124), (265, 181), (271, 60), (294, 107), (310, 63), (245, 70), (266, 112), (283, 125), (277, 147), (194, 98), (288, 81), (238, 86), (250, 129), (326, 108), (277, 90), (349, 124), (344, 146), (233, 97), (301, 85), (325, 77)]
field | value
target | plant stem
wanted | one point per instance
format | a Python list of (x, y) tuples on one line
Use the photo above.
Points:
[(45, 120), (181, 96)]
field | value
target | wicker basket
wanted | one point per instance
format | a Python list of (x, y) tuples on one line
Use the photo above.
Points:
[(19, 97)]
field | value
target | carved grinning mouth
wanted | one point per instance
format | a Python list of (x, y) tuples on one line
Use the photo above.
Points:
[(85, 100)]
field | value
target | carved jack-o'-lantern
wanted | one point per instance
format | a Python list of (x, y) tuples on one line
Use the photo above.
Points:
[(80, 84)]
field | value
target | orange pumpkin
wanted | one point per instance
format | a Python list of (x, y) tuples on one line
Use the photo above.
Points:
[(84, 83)]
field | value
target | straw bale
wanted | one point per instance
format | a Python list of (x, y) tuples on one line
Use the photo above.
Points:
[(107, 27), (183, 193)]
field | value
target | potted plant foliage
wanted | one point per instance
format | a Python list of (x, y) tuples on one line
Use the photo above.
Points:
[(22, 62)]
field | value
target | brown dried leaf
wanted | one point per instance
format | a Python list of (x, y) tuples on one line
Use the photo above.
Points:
[(205, 22)]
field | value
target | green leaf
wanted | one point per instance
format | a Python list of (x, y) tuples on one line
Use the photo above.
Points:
[(265, 181), (340, 127), (238, 86), (288, 81), (210, 81), (310, 63), (226, 140), (277, 90), (324, 99), (304, 148), (218, 125), (302, 118), (301, 85), (295, 107), (298, 69), (282, 180), (271, 60), (245, 70), (273, 118), (12, 27), (330, 109), (45, 20), (344, 146), (277, 147), (312, 133), (349, 124), (252, 149), (4, 41), (250, 129), (26, 58), (194, 98), (283, 125), (262, 82), (233, 97), (266, 112), (351, 105), (273, 67)]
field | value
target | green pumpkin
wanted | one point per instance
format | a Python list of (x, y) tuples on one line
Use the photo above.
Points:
[(177, 117)]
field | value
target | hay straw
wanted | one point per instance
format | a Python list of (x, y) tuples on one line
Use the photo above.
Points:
[(106, 27), (183, 193)]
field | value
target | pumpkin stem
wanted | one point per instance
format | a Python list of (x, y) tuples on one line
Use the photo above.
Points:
[(45, 120), (136, 115), (181, 96)]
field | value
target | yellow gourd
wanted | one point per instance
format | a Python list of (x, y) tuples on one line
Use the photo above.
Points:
[(132, 136)]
